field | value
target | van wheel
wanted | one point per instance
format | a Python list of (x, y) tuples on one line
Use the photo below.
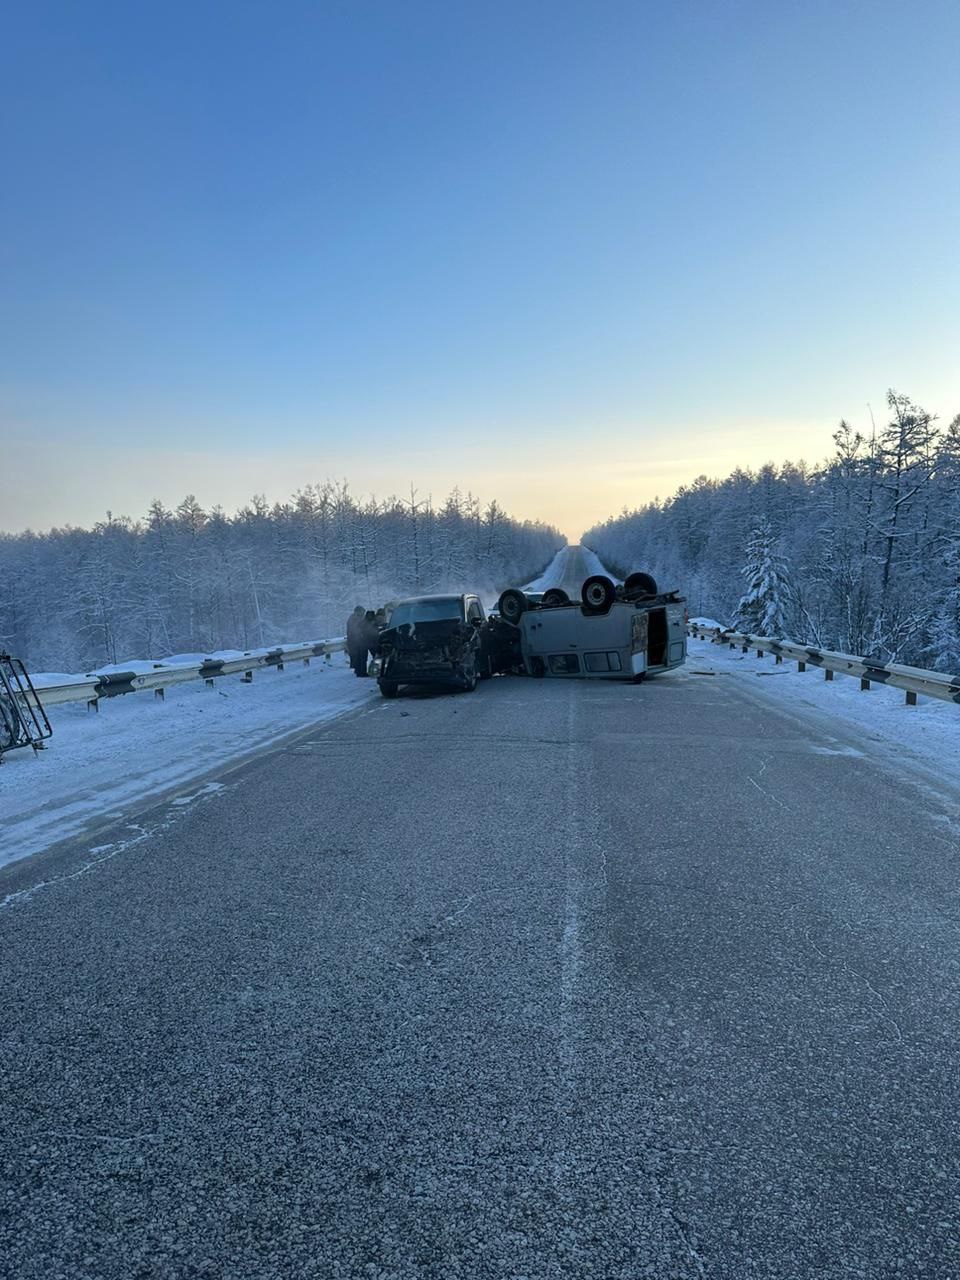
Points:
[(554, 597), (388, 688), (639, 584), (598, 593), (512, 605), (639, 677)]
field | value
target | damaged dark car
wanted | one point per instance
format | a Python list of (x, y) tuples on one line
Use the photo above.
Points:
[(437, 641)]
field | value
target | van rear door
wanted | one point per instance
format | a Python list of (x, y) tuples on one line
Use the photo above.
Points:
[(677, 635)]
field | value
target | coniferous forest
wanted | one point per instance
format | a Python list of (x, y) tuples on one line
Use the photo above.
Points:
[(191, 580), (860, 554)]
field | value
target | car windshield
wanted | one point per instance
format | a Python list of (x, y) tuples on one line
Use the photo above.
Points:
[(427, 611)]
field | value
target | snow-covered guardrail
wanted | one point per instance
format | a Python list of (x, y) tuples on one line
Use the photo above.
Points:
[(914, 680), (159, 676)]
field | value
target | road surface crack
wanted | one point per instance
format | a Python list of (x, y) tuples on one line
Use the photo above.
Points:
[(884, 1011)]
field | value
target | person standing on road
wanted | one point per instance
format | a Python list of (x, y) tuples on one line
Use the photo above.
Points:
[(356, 641)]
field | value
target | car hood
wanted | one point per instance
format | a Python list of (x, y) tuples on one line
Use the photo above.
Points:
[(414, 636)]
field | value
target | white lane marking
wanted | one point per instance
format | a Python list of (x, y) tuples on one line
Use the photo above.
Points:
[(571, 964), (571, 954)]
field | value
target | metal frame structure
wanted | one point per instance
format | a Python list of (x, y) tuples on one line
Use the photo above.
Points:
[(23, 721)]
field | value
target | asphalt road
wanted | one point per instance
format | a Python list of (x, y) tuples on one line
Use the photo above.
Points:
[(554, 979)]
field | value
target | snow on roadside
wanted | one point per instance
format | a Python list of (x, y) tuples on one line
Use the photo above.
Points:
[(929, 731), (103, 764)]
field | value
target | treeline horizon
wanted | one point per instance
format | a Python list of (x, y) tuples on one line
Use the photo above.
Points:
[(190, 580), (860, 553)]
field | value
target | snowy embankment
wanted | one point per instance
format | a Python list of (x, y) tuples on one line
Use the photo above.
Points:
[(103, 765), (930, 731)]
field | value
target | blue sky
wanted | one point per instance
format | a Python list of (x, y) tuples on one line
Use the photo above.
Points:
[(569, 255)]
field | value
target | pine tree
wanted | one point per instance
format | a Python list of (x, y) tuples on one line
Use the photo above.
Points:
[(763, 607)]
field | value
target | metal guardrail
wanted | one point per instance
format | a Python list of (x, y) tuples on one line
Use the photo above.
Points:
[(914, 680), (95, 685)]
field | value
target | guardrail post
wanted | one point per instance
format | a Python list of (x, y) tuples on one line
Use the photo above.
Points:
[(911, 698), (160, 693), (801, 667), (93, 704), (247, 677), (209, 683), (306, 662), (759, 653), (864, 684), (827, 673), (280, 665), (778, 658), (732, 645)]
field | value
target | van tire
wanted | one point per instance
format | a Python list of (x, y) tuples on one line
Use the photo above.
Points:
[(639, 584), (598, 594), (554, 597), (512, 605), (388, 688)]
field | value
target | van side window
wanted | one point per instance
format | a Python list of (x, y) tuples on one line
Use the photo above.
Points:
[(564, 664)]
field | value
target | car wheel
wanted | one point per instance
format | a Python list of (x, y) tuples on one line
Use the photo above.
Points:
[(554, 597), (471, 675), (388, 688), (512, 605), (598, 593), (639, 584)]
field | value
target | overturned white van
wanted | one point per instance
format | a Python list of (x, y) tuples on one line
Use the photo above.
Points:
[(613, 634)]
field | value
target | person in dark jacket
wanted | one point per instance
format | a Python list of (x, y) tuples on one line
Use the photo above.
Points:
[(356, 641)]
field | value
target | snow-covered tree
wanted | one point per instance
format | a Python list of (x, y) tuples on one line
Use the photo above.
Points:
[(865, 537), (763, 608), (190, 580)]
